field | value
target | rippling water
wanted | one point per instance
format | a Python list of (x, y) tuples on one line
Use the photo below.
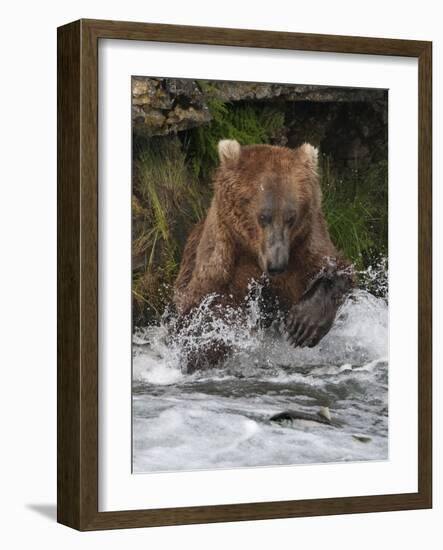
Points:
[(220, 418)]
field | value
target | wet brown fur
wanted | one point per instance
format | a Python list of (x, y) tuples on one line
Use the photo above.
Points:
[(223, 253)]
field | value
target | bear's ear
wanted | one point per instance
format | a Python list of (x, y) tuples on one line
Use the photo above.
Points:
[(228, 151), (309, 154)]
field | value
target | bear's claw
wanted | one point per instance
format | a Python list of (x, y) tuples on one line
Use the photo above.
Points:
[(311, 319)]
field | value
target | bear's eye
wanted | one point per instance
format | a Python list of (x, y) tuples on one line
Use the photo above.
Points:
[(290, 221), (265, 219)]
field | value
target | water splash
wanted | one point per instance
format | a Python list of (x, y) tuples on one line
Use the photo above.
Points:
[(358, 336), (220, 417)]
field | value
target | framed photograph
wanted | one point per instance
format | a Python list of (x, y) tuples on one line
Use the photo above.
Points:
[(244, 275)]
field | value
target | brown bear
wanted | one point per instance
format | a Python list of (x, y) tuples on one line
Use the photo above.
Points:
[(266, 219)]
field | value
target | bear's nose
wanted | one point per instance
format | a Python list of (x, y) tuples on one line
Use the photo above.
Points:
[(275, 270)]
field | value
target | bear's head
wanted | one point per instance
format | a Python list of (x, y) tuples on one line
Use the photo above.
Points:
[(266, 198)]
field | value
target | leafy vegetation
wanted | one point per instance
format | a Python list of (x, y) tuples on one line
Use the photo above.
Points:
[(246, 122), (355, 202), (166, 203)]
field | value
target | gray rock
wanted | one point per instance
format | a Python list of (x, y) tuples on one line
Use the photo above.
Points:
[(347, 123), (167, 106)]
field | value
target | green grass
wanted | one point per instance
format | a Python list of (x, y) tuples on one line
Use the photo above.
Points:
[(166, 202), (355, 202)]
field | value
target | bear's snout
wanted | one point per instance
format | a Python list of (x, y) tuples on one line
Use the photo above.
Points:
[(276, 258), (276, 270)]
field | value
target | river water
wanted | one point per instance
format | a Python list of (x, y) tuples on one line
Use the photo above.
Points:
[(220, 418)]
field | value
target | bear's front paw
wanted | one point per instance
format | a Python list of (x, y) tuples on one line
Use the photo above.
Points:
[(308, 322)]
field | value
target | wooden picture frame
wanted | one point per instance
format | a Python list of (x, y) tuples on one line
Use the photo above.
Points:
[(77, 457)]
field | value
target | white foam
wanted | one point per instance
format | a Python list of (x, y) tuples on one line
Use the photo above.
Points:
[(219, 418)]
